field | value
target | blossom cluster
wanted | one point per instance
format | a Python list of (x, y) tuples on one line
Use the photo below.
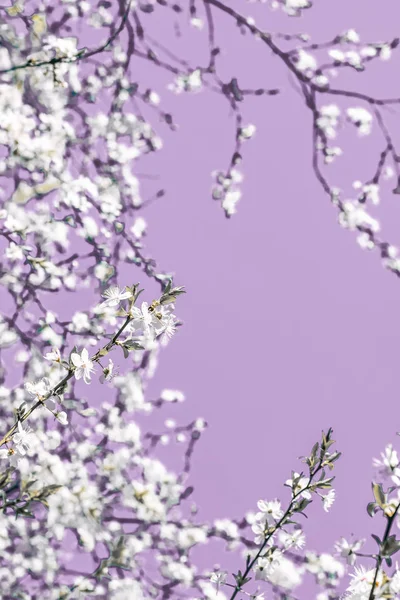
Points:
[(279, 559)]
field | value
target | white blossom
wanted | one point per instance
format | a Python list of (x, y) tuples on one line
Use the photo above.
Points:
[(54, 355), (139, 227), (306, 62), (349, 550), (328, 119), (355, 215), (328, 499), (83, 365), (286, 574), (218, 578), (108, 372), (114, 295), (361, 118), (361, 583), (144, 319), (23, 439), (265, 566), (298, 485), (39, 389)]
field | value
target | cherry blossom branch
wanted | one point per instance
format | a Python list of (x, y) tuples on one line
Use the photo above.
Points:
[(388, 545), (58, 389), (81, 54), (85, 364), (300, 499)]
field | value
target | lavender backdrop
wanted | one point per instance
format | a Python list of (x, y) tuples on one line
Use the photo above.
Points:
[(298, 330), (289, 326)]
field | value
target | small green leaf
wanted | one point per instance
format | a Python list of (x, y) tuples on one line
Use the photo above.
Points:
[(378, 494)]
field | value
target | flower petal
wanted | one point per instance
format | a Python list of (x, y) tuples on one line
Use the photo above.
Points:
[(76, 359)]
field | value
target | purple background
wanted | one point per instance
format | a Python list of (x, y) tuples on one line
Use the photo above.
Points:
[(289, 326)]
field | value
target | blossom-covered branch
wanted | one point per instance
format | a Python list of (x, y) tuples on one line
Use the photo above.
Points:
[(272, 518), (147, 321), (69, 56)]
